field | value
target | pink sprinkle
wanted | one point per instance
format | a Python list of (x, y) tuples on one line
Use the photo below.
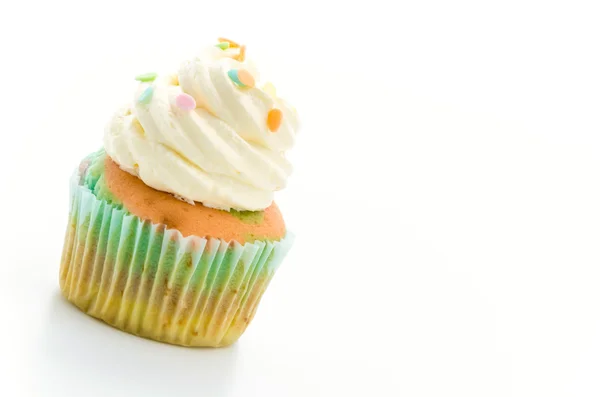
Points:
[(185, 102)]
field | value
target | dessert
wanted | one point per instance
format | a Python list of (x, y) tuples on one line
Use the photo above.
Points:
[(173, 233)]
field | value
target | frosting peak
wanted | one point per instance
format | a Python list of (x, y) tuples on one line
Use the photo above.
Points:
[(207, 133)]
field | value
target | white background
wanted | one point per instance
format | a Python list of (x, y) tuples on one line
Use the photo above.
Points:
[(446, 197)]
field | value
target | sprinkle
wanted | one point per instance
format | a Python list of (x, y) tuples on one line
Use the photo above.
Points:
[(241, 77), (146, 96), (274, 119), (232, 44), (146, 77), (269, 88), (241, 57), (185, 102), (246, 78), (223, 45), (137, 127)]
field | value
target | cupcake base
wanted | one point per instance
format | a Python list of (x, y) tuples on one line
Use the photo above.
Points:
[(151, 281)]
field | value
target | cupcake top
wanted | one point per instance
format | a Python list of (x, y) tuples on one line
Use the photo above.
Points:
[(212, 133)]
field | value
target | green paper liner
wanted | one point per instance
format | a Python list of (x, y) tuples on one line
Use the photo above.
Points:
[(151, 281)]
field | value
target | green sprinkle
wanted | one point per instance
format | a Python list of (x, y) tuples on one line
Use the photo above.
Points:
[(224, 45), (146, 77), (146, 96)]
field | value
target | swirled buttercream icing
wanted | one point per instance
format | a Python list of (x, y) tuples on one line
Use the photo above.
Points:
[(207, 134)]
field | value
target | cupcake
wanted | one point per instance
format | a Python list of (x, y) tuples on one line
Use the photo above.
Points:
[(173, 234)]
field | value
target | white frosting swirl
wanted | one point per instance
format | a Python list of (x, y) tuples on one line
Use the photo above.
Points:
[(222, 153)]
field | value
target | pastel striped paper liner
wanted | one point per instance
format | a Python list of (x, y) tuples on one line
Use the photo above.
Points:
[(151, 281)]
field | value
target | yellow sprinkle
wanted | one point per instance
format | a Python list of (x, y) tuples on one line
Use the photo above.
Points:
[(270, 90), (135, 123)]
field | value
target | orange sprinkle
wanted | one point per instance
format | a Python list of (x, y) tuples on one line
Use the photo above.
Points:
[(246, 78), (274, 119), (242, 55), (232, 44)]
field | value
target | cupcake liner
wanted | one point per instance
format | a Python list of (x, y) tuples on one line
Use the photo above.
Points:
[(151, 281)]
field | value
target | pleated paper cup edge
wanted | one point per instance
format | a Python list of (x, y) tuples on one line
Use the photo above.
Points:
[(83, 205)]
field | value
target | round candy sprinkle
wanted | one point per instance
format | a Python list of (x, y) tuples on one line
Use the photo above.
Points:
[(274, 119), (223, 45), (146, 77), (241, 77), (185, 102), (146, 96)]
